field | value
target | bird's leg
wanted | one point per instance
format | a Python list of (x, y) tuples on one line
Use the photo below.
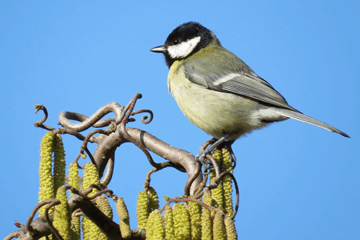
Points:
[(201, 157)]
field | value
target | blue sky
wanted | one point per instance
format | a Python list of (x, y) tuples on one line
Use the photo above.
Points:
[(297, 181)]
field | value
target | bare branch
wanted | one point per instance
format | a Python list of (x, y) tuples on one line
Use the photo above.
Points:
[(15, 234), (109, 171), (93, 121), (174, 155), (71, 132)]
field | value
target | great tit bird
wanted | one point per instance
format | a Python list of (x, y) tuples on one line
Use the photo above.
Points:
[(217, 91)]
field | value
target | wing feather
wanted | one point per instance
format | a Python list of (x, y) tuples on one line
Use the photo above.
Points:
[(237, 82)]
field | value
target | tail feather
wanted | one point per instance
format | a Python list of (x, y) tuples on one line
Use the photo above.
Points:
[(307, 119)]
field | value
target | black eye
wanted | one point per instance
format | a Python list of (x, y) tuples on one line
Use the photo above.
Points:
[(175, 41)]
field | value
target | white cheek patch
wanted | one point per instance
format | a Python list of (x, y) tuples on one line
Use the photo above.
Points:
[(183, 49)]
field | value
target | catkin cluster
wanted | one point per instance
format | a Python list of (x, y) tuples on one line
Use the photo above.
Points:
[(184, 221), (90, 230), (52, 167), (62, 219), (147, 202), (222, 194), (74, 181), (124, 218), (189, 220)]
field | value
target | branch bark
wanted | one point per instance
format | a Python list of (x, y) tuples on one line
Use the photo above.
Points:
[(107, 146)]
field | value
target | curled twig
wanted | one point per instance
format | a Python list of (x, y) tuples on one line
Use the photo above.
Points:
[(52, 228), (86, 140), (198, 192), (89, 136), (40, 123), (214, 164), (144, 118), (77, 161), (148, 178), (100, 188), (161, 166), (81, 118), (109, 171), (89, 154), (206, 144), (232, 155), (80, 193), (93, 120), (236, 189), (130, 106), (108, 193), (91, 187), (33, 212), (190, 180), (217, 179)]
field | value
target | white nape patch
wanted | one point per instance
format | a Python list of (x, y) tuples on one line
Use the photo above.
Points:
[(226, 78), (183, 49)]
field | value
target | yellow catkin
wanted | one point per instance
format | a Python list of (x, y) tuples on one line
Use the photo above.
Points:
[(48, 237), (124, 218), (125, 229), (90, 230), (206, 221), (142, 209), (62, 214), (91, 176), (227, 162), (181, 222), (75, 227), (230, 229), (169, 223), (150, 227), (59, 162), (103, 204), (207, 199), (46, 190), (122, 209), (227, 182), (153, 199), (195, 216), (206, 224), (217, 193), (219, 232), (74, 179), (101, 234), (155, 226), (74, 182)]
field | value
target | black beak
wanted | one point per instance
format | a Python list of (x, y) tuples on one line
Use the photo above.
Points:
[(159, 49)]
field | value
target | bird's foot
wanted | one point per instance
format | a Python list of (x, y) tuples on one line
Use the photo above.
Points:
[(201, 157)]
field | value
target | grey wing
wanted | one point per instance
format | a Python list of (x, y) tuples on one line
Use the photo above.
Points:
[(244, 84), (252, 86)]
